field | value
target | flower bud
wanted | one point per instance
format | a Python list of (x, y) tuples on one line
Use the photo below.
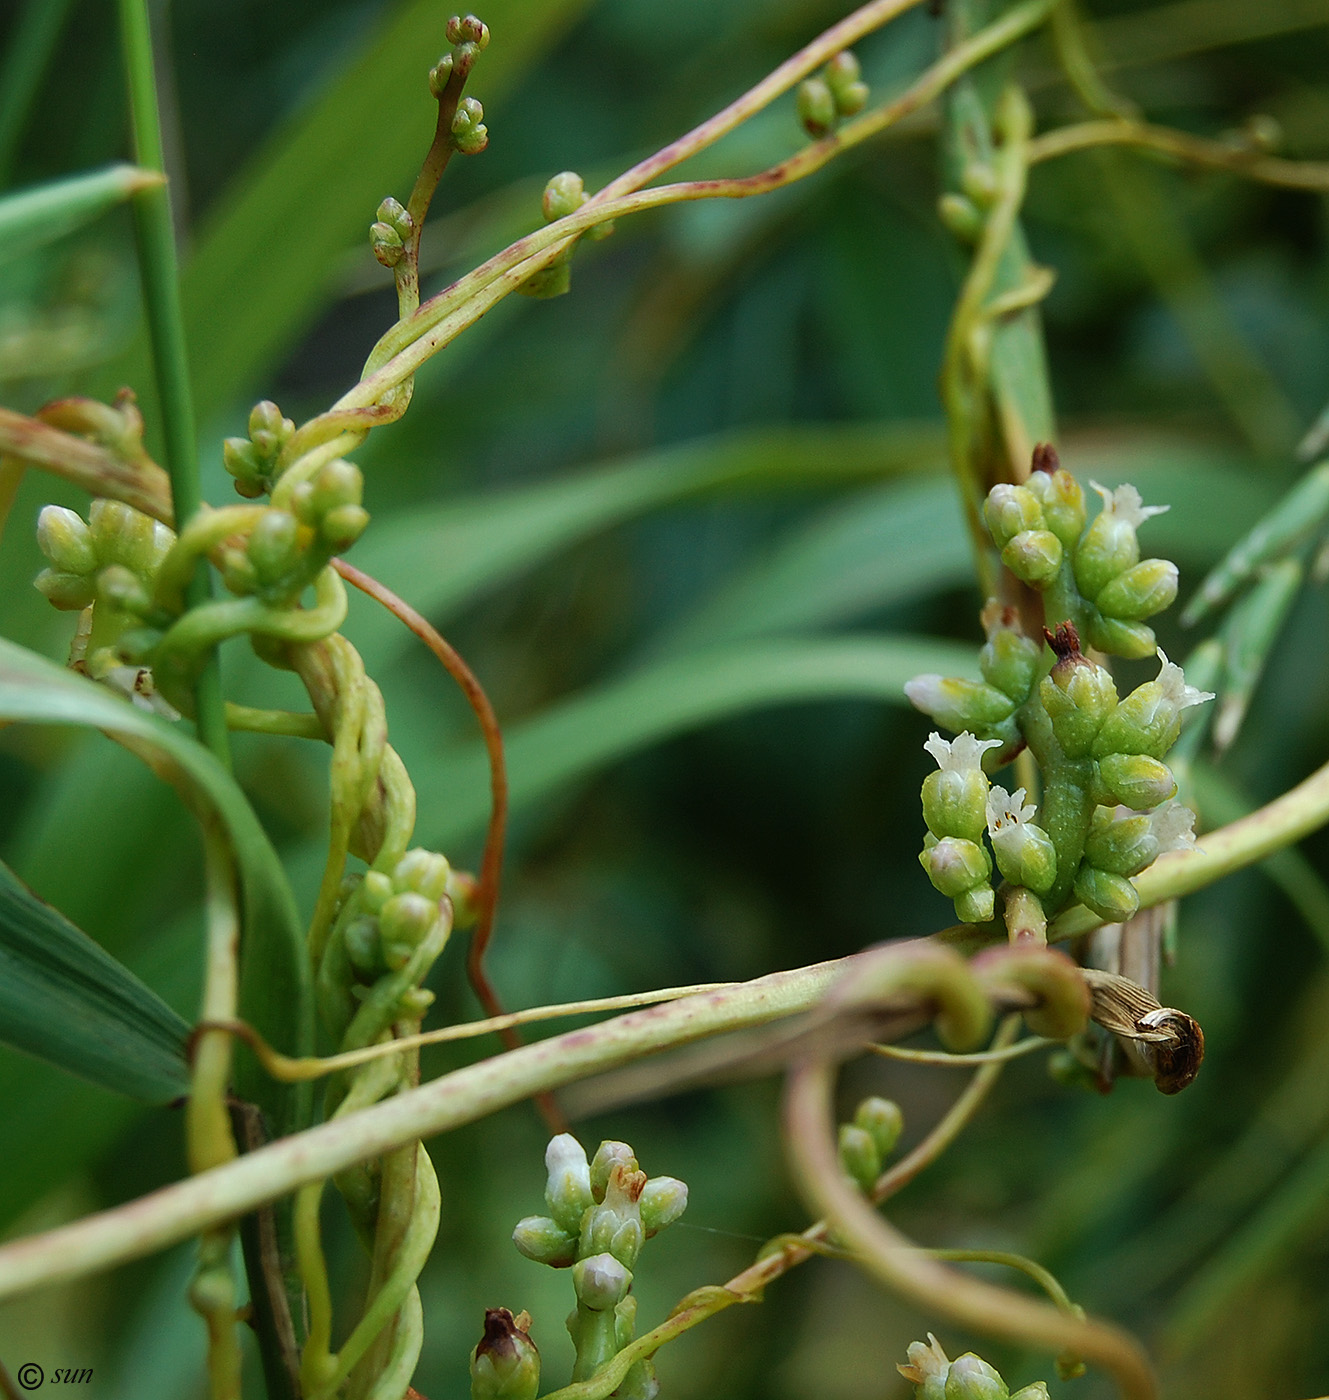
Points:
[(1010, 511), (601, 1282), (376, 889), (338, 483), (955, 866), (1133, 780), (363, 946), (68, 592), (844, 78), (859, 1156), (1033, 556), (564, 194), (971, 1378), (1060, 496), (1078, 697), (959, 704), (1110, 545), (961, 216), (954, 797), (608, 1155), (423, 871), (1037, 1391), (241, 459), (663, 1200), (1133, 640), (342, 526), (505, 1364), (1140, 592), (927, 1368), (1148, 720), (467, 29), (439, 75), (386, 245), (1024, 851), (816, 107), (614, 1226), (883, 1119), (119, 587), (568, 1192), (1009, 661), (395, 215), (64, 538), (408, 919), (273, 545), (469, 134), (1122, 845), (126, 536), (1112, 897), (978, 180), (543, 1240)]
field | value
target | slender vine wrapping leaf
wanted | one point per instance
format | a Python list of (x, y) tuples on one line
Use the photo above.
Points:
[(65, 999)]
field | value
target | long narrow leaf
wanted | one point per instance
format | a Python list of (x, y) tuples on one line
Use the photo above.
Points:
[(274, 993), (30, 218), (64, 999)]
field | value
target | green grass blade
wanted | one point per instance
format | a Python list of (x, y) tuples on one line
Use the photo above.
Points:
[(571, 740), (30, 218), (66, 1000), (274, 994)]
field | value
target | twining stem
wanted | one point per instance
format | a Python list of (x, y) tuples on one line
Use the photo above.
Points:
[(166, 331), (925, 1281), (491, 865), (175, 1212)]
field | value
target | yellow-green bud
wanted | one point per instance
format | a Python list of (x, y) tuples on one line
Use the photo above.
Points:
[(469, 134), (971, 1378), (927, 1368), (663, 1200), (858, 1155), (1148, 720), (1122, 845), (338, 483), (1140, 592), (439, 75), (1112, 897), (608, 1155), (601, 1282), (505, 1364), (545, 1241), (1059, 494), (954, 798), (959, 704), (68, 592), (1133, 640), (343, 525), (119, 587), (883, 1119), (1110, 545), (126, 536), (408, 918), (816, 106), (363, 946), (1033, 556), (564, 194), (1134, 780), (568, 1192), (614, 1226), (467, 29), (241, 459), (961, 216), (395, 215), (426, 872), (64, 538), (975, 906), (1037, 1391), (273, 545), (844, 78), (1078, 696), (955, 866), (1009, 660), (376, 889), (386, 244), (1010, 511)]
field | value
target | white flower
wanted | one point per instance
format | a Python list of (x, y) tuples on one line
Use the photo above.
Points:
[(1174, 827), (1173, 685), (1007, 812), (1125, 504), (963, 754)]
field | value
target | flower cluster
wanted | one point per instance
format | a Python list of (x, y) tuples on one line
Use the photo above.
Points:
[(866, 1143), (1106, 812), (968, 1377), (837, 91), (601, 1212)]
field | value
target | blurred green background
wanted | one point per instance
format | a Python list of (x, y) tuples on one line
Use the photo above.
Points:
[(670, 519)]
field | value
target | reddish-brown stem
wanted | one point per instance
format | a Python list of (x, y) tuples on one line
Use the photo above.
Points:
[(491, 864)]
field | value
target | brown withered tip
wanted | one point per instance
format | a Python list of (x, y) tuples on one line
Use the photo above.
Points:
[(1175, 1062), (502, 1331), (1065, 641), (1045, 458)]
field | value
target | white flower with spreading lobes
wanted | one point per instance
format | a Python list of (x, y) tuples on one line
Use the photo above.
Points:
[(954, 797), (1025, 853), (1172, 682), (1126, 505)]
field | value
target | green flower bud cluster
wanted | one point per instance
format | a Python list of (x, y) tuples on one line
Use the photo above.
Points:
[(469, 38), (564, 194), (1121, 844), (869, 1140), (600, 1214), (505, 1364), (252, 461), (388, 932), (391, 232), (470, 135), (968, 1377), (955, 809), (837, 91), (288, 547)]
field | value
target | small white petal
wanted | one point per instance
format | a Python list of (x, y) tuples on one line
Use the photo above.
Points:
[(962, 754), (1173, 683), (1126, 504), (1174, 827), (1008, 811)]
